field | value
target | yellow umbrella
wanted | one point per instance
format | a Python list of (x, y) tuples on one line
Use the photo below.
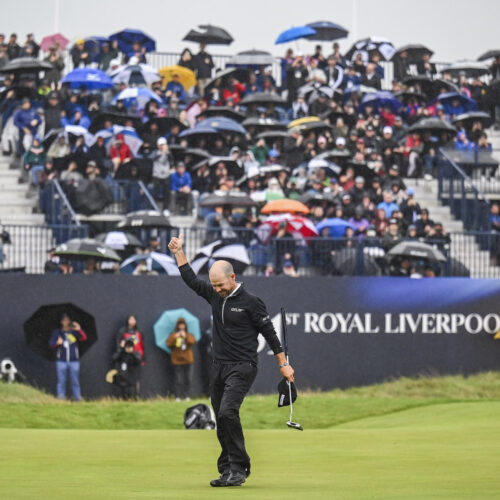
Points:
[(186, 77), (300, 121)]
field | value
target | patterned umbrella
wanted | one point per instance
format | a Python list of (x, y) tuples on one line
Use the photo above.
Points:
[(155, 261), (136, 74), (367, 46), (233, 252), (296, 225)]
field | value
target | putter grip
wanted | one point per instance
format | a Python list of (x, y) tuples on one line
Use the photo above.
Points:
[(283, 329)]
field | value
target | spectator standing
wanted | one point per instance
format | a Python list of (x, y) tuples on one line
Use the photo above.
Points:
[(13, 49), (203, 65), (181, 342), (162, 166), (65, 341), (130, 331), (180, 190)]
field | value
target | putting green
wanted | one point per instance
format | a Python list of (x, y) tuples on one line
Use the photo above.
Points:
[(443, 451)]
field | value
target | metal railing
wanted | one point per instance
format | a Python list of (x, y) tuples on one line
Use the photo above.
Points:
[(129, 196), (457, 190), (55, 205)]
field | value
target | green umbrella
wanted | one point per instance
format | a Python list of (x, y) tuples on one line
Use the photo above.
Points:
[(165, 325)]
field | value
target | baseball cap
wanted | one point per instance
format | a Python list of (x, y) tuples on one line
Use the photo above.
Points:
[(160, 141), (410, 191), (387, 130), (359, 179), (393, 221), (284, 392), (340, 141)]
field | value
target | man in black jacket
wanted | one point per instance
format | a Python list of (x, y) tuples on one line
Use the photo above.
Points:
[(238, 318)]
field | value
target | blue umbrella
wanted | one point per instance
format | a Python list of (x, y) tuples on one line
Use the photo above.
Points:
[(88, 77), (294, 34), (165, 325), (191, 132), (128, 37), (140, 94), (466, 103), (156, 261), (336, 226), (380, 99), (222, 124)]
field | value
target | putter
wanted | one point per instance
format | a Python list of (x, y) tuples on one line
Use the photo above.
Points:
[(290, 423)]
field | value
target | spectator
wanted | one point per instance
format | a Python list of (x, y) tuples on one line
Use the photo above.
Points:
[(387, 205), (392, 236), (425, 67), (30, 47), (175, 88), (180, 190), (120, 152), (79, 54), (27, 121), (65, 341), (126, 363), (401, 67), (181, 342), (371, 78), (107, 55), (203, 65), (13, 49), (162, 168), (424, 224), (410, 207)]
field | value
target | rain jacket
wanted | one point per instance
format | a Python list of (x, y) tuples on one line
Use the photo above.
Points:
[(237, 321), (68, 350)]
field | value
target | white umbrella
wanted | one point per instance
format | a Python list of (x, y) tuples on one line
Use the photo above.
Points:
[(235, 253), (124, 73)]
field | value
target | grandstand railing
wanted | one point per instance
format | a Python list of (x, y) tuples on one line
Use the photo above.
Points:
[(460, 192), (129, 196)]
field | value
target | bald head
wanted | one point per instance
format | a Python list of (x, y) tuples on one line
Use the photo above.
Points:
[(222, 278)]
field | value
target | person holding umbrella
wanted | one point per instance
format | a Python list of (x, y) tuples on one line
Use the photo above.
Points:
[(65, 341), (238, 318), (203, 65)]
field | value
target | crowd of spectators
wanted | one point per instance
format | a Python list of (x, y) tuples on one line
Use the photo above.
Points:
[(313, 134)]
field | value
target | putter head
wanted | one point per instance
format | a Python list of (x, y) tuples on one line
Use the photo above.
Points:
[(294, 425)]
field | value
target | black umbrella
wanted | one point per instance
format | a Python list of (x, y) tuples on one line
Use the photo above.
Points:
[(431, 88), (362, 169), (54, 133), (346, 262), (192, 156), (335, 154), (86, 248), (469, 68), (228, 200), (20, 91), (263, 98), (25, 65), (165, 123), (241, 74), (225, 111), (233, 168), (98, 123), (251, 58), (272, 169), (327, 31), (233, 252), (317, 198), (262, 124), (137, 169), (490, 54), (144, 219), (414, 51), (405, 95), (118, 240), (316, 126), (38, 328), (455, 267), (273, 135), (333, 114), (209, 35), (433, 125), (469, 118), (416, 250)]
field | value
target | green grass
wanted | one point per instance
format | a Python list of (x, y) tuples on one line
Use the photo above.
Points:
[(427, 438)]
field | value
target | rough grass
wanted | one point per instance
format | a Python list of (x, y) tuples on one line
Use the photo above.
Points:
[(25, 407)]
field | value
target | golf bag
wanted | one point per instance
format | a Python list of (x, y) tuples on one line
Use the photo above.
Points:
[(9, 373), (199, 416)]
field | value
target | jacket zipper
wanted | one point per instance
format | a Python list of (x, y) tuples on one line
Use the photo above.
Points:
[(223, 305)]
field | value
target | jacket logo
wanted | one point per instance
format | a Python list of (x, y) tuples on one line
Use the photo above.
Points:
[(237, 309)]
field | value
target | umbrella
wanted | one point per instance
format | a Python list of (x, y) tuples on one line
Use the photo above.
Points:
[(359, 89), (469, 118), (301, 121), (222, 124), (141, 94), (430, 87), (93, 45), (86, 248), (456, 267), (25, 65), (127, 37), (155, 261), (416, 250), (165, 123), (241, 74), (198, 132), (369, 45), (379, 100), (136, 74), (251, 58), (273, 168), (130, 135), (195, 154), (414, 51), (286, 206), (71, 132), (362, 169), (144, 219), (264, 123), (186, 76), (273, 135), (314, 126), (346, 263), (232, 165), (294, 33), (433, 125), (331, 168), (89, 78), (327, 31), (38, 328), (234, 253), (335, 154), (227, 200), (298, 226), (314, 198), (447, 98), (54, 39), (405, 95), (118, 240), (209, 35), (100, 120), (336, 227), (263, 98), (470, 68), (490, 54), (224, 111), (165, 325)]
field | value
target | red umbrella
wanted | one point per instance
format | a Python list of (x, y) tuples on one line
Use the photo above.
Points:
[(56, 38), (296, 225)]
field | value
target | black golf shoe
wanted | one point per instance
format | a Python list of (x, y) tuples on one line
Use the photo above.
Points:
[(236, 478), (220, 481)]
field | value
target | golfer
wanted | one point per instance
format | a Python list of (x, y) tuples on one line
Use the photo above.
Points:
[(238, 318)]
